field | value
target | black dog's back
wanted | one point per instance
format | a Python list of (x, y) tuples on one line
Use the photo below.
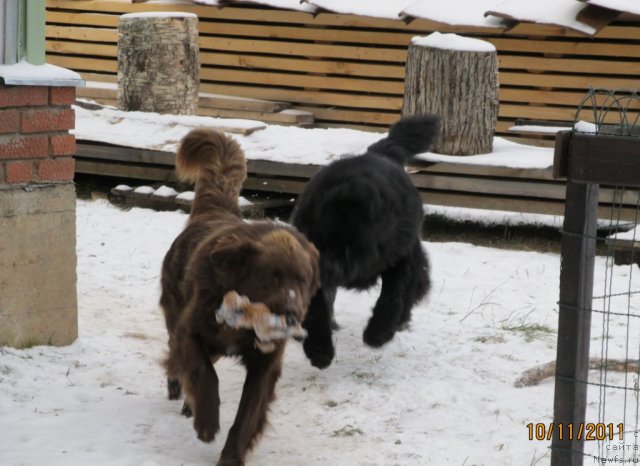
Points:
[(363, 212), (364, 215)]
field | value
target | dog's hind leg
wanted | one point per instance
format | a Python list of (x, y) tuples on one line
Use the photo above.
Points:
[(330, 298), (419, 284), (389, 309), (318, 346), (263, 371)]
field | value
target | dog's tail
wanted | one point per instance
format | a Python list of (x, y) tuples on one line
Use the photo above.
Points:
[(408, 137), (216, 164)]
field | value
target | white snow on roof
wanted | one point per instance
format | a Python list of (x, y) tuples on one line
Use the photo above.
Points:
[(455, 12), (283, 4), (453, 42), (375, 8), (627, 6), (553, 12)]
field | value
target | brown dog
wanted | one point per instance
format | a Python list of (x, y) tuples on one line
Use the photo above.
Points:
[(268, 262)]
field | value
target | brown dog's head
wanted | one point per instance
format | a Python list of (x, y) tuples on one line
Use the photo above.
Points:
[(278, 268)]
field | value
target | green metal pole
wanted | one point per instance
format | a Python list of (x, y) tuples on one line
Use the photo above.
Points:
[(35, 31)]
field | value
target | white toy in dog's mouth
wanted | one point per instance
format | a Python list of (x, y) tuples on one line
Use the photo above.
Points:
[(239, 312)]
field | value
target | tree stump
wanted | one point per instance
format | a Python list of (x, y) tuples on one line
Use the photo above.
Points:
[(158, 62), (456, 78)]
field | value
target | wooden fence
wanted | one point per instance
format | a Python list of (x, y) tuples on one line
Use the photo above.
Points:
[(349, 70)]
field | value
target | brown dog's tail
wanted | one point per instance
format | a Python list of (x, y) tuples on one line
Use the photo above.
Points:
[(216, 164)]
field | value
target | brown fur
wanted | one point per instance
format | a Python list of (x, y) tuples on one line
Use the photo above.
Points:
[(268, 262)]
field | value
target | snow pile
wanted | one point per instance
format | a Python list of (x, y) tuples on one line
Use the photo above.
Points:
[(619, 5), (505, 154), (26, 73), (453, 42), (165, 191), (374, 8)]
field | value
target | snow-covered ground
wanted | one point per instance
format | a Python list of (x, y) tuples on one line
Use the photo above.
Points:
[(441, 393)]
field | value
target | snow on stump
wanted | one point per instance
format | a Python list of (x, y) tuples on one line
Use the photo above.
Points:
[(158, 62), (457, 78)]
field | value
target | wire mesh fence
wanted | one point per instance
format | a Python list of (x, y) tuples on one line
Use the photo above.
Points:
[(597, 398)]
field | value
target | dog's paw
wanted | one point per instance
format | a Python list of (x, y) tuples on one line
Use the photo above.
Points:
[(319, 355), (186, 410), (173, 387), (230, 462), (206, 429), (376, 337)]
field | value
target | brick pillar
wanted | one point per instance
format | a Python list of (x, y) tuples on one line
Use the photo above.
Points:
[(38, 302)]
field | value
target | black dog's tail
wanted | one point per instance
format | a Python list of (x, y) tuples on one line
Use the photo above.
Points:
[(407, 137)]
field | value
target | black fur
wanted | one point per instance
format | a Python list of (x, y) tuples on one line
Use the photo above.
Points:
[(364, 215)]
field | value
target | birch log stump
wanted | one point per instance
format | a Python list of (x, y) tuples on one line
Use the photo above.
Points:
[(456, 78), (158, 62)]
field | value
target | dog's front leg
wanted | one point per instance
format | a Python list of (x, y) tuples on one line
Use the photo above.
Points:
[(193, 366), (263, 371), (318, 346)]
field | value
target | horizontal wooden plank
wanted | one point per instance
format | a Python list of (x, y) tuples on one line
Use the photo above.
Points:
[(564, 114), (575, 47), (240, 103), (612, 67), (334, 83), (537, 96), (81, 18), (314, 33), (89, 150), (99, 77), (97, 92), (125, 170), (337, 115), (506, 187), (537, 113), (612, 31), (306, 97), (86, 34), (566, 81), (277, 47), (284, 117), (302, 65), (490, 202), (82, 48), (83, 63)]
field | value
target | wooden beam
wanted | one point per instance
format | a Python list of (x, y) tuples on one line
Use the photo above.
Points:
[(603, 159), (574, 321)]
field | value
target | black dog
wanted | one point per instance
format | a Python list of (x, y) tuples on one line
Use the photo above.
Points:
[(364, 215)]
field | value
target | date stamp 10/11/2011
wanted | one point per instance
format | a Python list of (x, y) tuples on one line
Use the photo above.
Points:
[(582, 431)]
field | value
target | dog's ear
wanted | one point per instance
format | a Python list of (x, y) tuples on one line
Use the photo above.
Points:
[(235, 256)]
